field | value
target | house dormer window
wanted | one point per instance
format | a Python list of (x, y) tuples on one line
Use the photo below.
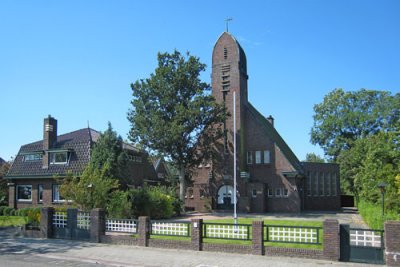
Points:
[(33, 157), (59, 157)]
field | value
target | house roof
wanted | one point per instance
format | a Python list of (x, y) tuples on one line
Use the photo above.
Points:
[(276, 138), (79, 142)]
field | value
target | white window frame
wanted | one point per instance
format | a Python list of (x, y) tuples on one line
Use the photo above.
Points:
[(278, 192), (22, 199), (270, 192), (267, 156), (254, 193), (52, 158), (40, 188), (56, 195), (33, 157), (249, 157), (258, 157), (285, 192)]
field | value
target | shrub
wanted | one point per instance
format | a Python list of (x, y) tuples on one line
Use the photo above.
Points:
[(7, 211), (119, 205), (2, 210), (155, 202), (13, 212), (34, 216)]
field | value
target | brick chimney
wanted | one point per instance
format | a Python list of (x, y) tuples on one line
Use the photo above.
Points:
[(271, 120), (49, 138)]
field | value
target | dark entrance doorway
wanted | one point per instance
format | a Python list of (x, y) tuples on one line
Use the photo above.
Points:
[(361, 245), (225, 199)]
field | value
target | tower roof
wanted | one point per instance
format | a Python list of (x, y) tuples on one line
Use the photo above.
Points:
[(227, 38)]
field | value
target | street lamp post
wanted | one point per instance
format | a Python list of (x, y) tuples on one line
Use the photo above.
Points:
[(382, 186)]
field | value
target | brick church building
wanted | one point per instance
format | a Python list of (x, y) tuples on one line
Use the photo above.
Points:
[(270, 178)]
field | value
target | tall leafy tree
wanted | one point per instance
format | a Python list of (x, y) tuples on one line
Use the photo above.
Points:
[(312, 157), (4, 167), (343, 117), (174, 114), (108, 150)]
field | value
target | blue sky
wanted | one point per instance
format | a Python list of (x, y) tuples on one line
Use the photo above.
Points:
[(75, 60)]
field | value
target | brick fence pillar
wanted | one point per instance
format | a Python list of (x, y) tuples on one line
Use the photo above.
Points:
[(97, 224), (144, 231), (46, 222), (72, 222), (258, 238), (197, 234), (11, 196), (392, 243), (331, 248)]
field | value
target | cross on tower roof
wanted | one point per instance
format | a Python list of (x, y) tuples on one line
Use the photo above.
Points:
[(227, 23)]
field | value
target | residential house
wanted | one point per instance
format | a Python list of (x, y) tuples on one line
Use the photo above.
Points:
[(34, 177)]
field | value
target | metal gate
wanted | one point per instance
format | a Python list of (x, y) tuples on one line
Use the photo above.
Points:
[(71, 225), (361, 245)]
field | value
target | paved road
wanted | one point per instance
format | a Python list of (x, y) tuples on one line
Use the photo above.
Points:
[(17, 251)]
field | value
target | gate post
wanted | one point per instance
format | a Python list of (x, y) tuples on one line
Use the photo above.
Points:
[(258, 238), (72, 222), (197, 234), (97, 225), (331, 248), (392, 243), (46, 222), (144, 231)]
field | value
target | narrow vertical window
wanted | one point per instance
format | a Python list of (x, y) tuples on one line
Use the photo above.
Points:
[(258, 157), (309, 184), (249, 157), (315, 181), (334, 186), (270, 192), (327, 184), (267, 158), (321, 184), (225, 53), (278, 192), (40, 193)]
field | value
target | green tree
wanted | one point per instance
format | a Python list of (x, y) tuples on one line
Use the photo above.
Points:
[(312, 157), (4, 167), (90, 190), (343, 117), (108, 150), (174, 114)]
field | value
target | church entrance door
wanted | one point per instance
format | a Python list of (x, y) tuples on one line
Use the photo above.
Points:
[(225, 199)]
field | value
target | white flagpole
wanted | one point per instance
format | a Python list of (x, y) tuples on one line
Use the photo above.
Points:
[(234, 158)]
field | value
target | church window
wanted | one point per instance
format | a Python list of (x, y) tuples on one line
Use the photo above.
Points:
[(258, 157), (225, 53), (254, 193), (270, 192), (315, 183), (285, 192), (278, 192), (309, 184), (249, 157), (327, 184), (267, 158), (321, 184), (334, 189)]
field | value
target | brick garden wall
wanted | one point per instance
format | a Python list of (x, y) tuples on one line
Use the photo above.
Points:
[(330, 251)]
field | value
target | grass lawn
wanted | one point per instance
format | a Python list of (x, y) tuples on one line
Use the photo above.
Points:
[(6, 221), (249, 242)]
